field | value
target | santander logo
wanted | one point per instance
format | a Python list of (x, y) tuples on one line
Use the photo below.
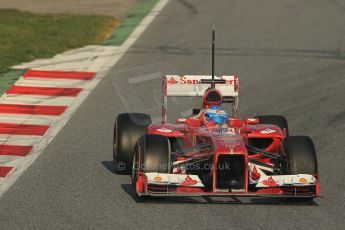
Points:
[(172, 81), (270, 182), (184, 80), (188, 181)]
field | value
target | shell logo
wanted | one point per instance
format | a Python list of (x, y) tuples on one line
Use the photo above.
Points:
[(158, 178), (302, 180)]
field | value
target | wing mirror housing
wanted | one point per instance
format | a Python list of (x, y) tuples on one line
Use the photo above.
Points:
[(252, 121)]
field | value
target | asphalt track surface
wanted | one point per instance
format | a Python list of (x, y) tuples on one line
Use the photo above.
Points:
[(290, 56)]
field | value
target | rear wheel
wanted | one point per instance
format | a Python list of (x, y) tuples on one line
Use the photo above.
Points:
[(128, 128), (277, 120), (300, 157), (152, 154)]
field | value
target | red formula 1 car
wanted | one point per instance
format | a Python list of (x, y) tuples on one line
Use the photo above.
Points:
[(211, 152)]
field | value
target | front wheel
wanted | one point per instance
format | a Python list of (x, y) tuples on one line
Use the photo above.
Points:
[(152, 153), (300, 158), (300, 155)]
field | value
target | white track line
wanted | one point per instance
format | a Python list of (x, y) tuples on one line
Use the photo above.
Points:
[(11, 161), (9, 137), (20, 141), (73, 60), (101, 65), (28, 119), (36, 100), (37, 97), (58, 83)]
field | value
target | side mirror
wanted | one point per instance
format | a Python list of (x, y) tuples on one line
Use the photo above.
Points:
[(181, 120), (252, 121)]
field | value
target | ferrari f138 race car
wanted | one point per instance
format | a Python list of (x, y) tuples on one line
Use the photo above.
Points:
[(213, 153)]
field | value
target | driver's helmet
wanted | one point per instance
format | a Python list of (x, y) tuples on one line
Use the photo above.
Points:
[(217, 115)]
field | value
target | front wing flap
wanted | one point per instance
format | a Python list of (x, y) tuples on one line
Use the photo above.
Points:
[(162, 184)]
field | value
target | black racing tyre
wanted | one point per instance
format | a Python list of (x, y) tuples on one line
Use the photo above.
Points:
[(277, 120), (128, 128), (300, 155), (152, 154), (300, 158), (195, 112)]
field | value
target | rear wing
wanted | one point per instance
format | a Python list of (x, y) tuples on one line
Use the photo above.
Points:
[(191, 86)]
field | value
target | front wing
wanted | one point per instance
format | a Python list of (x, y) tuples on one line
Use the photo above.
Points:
[(161, 184)]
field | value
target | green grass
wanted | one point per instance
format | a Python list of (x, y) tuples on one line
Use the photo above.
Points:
[(7, 79), (139, 10), (27, 36)]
